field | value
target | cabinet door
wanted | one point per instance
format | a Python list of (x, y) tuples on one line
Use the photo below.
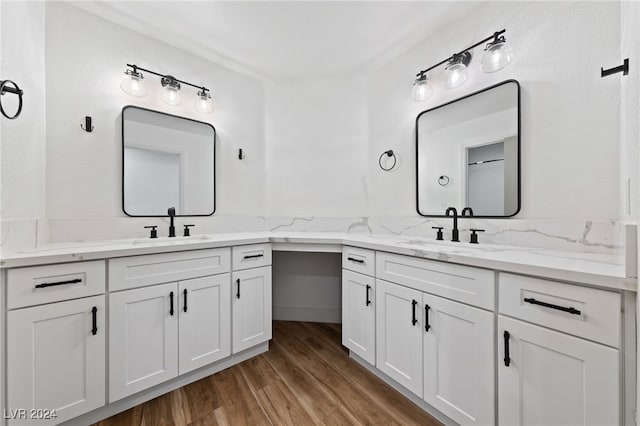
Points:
[(359, 315), (459, 360), (143, 339), (399, 334), (251, 306), (555, 379), (54, 359), (205, 321)]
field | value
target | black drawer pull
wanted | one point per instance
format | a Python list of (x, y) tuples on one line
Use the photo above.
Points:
[(184, 292), (570, 310), (368, 300), (74, 281), (251, 256), (238, 293), (353, 259), (94, 316), (413, 312), (426, 316), (171, 303), (507, 358)]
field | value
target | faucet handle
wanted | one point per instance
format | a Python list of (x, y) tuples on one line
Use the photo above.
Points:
[(474, 236), (154, 231), (187, 232), (439, 235)]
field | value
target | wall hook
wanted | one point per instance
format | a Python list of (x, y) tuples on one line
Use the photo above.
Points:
[(624, 69), (388, 153), (240, 154), (88, 127)]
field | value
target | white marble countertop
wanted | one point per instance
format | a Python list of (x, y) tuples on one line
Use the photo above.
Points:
[(600, 270)]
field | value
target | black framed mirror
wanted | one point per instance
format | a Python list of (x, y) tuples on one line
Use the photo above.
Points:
[(167, 161), (468, 154)]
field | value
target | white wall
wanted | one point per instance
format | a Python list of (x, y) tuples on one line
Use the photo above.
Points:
[(22, 149), (316, 133), (86, 57), (570, 116)]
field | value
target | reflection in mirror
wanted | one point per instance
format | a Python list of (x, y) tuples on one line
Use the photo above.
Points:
[(168, 161), (468, 154)]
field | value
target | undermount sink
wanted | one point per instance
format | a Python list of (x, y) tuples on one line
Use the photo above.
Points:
[(178, 239)]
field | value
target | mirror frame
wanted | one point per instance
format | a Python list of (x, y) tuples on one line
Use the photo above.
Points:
[(215, 133), (519, 150)]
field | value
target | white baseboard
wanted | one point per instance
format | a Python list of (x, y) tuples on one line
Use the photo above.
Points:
[(305, 313), (154, 392)]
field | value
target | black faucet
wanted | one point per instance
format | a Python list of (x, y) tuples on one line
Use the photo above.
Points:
[(172, 229), (454, 232), (467, 210)]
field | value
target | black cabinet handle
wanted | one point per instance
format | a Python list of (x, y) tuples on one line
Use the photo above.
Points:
[(571, 310), (413, 312), (184, 292), (507, 358), (426, 316), (171, 303), (43, 285), (94, 320), (251, 256), (353, 259), (368, 300), (238, 293)]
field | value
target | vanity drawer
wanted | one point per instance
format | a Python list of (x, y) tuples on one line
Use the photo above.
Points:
[(139, 271), (52, 283), (359, 260), (582, 311), (465, 284), (251, 256)]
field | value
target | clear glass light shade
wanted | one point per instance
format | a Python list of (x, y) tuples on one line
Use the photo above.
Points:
[(203, 103), (171, 96), (421, 89), (496, 56), (455, 75), (133, 84)]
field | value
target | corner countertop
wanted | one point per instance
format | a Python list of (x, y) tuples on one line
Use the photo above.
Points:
[(601, 270)]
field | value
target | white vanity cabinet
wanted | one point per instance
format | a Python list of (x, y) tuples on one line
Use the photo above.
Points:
[(143, 339), (251, 307), (547, 372), (164, 329), (439, 349), (359, 302), (55, 350)]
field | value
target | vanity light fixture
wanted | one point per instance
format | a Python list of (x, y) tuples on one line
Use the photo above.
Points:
[(456, 72), (203, 103), (497, 55), (422, 89), (133, 84), (171, 91)]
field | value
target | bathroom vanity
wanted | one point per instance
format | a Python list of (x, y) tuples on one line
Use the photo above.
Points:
[(474, 335)]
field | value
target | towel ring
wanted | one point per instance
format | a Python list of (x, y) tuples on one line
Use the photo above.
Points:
[(443, 180), (388, 153), (4, 88)]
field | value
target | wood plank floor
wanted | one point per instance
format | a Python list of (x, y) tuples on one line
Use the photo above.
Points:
[(306, 378)]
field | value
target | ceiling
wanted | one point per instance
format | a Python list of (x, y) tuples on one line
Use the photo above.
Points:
[(281, 40)]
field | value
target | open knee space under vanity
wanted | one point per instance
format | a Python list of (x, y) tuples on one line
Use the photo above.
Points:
[(466, 344)]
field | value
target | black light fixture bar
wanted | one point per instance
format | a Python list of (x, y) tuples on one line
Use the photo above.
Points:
[(136, 68), (491, 37)]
